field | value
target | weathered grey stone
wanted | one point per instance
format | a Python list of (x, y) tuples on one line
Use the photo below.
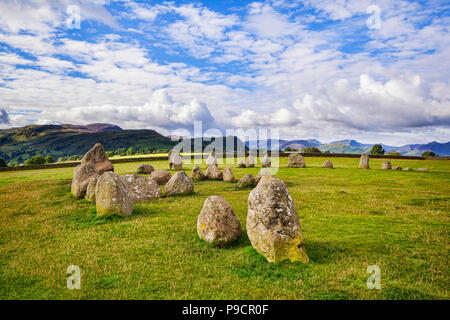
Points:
[(364, 161), (408, 169), (94, 162), (241, 164), (296, 160), (160, 176), (246, 181), (90, 191), (175, 160), (140, 187), (211, 160), (261, 173), (266, 162), (396, 168), (328, 164), (272, 223), (180, 183), (145, 168), (217, 223), (197, 173), (213, 173), (250, 162), (386, 165), (112, 196), (422, 169), (228, 175)]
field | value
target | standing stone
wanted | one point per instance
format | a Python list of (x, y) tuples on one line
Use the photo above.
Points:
[(396, 168), (328, 164), (160, 176), (296, 160), (217, 223), (250, 162), (211, 160), (261, 173), (246, 181), (180, 183), (112, 196), (94, 162), (141, 188), (228, 175), (273, 226), (197, 173), (422, 169), (241, 164), (386, 165), (90, 191), (175, 160), (213, 173), (145, 168), (364, 161), (266, 162)]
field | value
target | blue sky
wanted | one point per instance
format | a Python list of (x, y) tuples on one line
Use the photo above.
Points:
[(314, 69)]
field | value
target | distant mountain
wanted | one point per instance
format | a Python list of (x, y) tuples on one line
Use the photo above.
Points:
[(282, 144), (442, 149)]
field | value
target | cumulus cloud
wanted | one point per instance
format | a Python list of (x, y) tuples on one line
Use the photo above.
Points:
[(4, 117), (249, 118)]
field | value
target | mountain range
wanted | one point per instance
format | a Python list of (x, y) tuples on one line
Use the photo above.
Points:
[(19, 144)]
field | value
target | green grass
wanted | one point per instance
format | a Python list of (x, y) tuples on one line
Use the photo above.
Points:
[(351, 218)]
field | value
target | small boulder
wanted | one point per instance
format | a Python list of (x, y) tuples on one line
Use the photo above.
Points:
[(261, 173), (94, 162), (90, 191), (408, 169), (296, 160), (217, 223), (246, 181), (272, 223), (396, 168), (145, 168), (180, 183), (364, 161), (266, 162), (228, 175), (140, 187), (328, 164), (250, 162), (211, 160), (160, 176), (197, 173), (213, 173), (386, 165), (112, 196), (241, 164), (175, 160), (422, 169)]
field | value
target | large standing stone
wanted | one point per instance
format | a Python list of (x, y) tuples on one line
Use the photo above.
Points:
[(386, 165), (213, 173), (228, 175), (241, 164), (246, 181), (328, 164), (296, 160), (175, 160), (211, 160), (140, 187), (94, 162), (90, 191), (272, 223), (250, 162), (112, 196), (217, 223), (180, 183), (364, 161), (266, 162), (197, 173), (261, 173), (160, 176), (145, 168)]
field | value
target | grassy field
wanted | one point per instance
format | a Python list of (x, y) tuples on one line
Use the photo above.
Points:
[(351, 218)]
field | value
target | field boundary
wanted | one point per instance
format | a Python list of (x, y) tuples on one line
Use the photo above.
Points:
[(281, 154)]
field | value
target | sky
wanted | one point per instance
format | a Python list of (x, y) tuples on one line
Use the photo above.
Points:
[(374, 71)]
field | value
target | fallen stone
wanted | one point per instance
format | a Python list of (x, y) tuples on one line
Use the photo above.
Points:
[(386, 165)]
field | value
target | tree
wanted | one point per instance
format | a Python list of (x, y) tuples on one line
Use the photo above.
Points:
[(289, 149), (394, 153), (131, 151), (37, 159), (49, 159), (377, 149), (2, 162), (311, 150), (429, 154)]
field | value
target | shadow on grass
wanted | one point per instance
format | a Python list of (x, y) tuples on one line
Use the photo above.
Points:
[(241, 242)]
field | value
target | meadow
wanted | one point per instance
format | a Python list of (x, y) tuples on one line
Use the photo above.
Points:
[(351, 219)]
